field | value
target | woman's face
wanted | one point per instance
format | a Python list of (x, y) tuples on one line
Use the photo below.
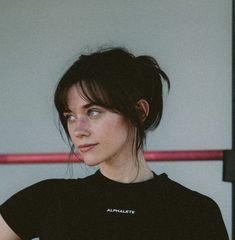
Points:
[(101, 136)]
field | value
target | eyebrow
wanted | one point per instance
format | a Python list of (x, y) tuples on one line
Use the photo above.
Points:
[(85, 106), (88, 105)]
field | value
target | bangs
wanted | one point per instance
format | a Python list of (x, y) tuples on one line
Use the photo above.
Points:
[(115, 79), (90, 91), (96, 94)]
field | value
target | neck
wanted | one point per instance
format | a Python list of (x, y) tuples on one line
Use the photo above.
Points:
[(127, 171)]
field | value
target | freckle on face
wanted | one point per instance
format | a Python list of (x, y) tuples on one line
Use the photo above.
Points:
[(109, 131)]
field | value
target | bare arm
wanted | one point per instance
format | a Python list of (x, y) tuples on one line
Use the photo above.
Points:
[(6, 233)]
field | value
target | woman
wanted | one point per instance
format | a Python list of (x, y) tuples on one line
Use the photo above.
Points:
[(106, 102)]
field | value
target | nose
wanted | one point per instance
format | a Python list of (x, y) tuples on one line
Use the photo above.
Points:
[(81, 127)]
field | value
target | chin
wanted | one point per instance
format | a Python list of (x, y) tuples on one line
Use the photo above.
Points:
[(90, 162)]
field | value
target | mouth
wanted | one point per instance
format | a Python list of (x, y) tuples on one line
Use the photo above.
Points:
[(86, 147)]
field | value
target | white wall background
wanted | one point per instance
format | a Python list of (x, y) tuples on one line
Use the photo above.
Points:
[(191, 40)]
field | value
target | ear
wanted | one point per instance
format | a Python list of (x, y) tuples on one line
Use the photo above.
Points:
[(143, 107)]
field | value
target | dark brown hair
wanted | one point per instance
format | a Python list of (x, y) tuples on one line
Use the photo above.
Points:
[(115, 79)]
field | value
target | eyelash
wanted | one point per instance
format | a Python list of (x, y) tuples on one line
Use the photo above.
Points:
[(68, 116), (89, 112), (92, 110)]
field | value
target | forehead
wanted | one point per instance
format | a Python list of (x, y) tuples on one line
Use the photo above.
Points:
[(75, 97)]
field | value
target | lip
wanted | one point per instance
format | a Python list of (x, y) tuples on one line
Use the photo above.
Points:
[(86, 147)]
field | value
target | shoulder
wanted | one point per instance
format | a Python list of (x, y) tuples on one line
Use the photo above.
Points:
[(179, 195), (34, 201), (46, 191), (46, 187), (57, 185), (193, 212)]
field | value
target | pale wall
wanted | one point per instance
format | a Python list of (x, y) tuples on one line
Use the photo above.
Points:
[(192, 41)]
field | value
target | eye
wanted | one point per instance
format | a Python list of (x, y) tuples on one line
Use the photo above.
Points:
[(93, 112), (69, 117)]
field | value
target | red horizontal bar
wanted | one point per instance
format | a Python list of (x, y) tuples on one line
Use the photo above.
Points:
[(184, 155), (150, 156)]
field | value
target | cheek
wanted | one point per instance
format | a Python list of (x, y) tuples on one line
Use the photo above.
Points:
[(69, 131), (72, 139), (115, 131), (71, 134)]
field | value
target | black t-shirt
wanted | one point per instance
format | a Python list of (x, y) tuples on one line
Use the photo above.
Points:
[(96, 207)]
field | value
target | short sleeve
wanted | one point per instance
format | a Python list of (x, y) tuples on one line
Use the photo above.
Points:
[(24, 211), (207, 220)]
